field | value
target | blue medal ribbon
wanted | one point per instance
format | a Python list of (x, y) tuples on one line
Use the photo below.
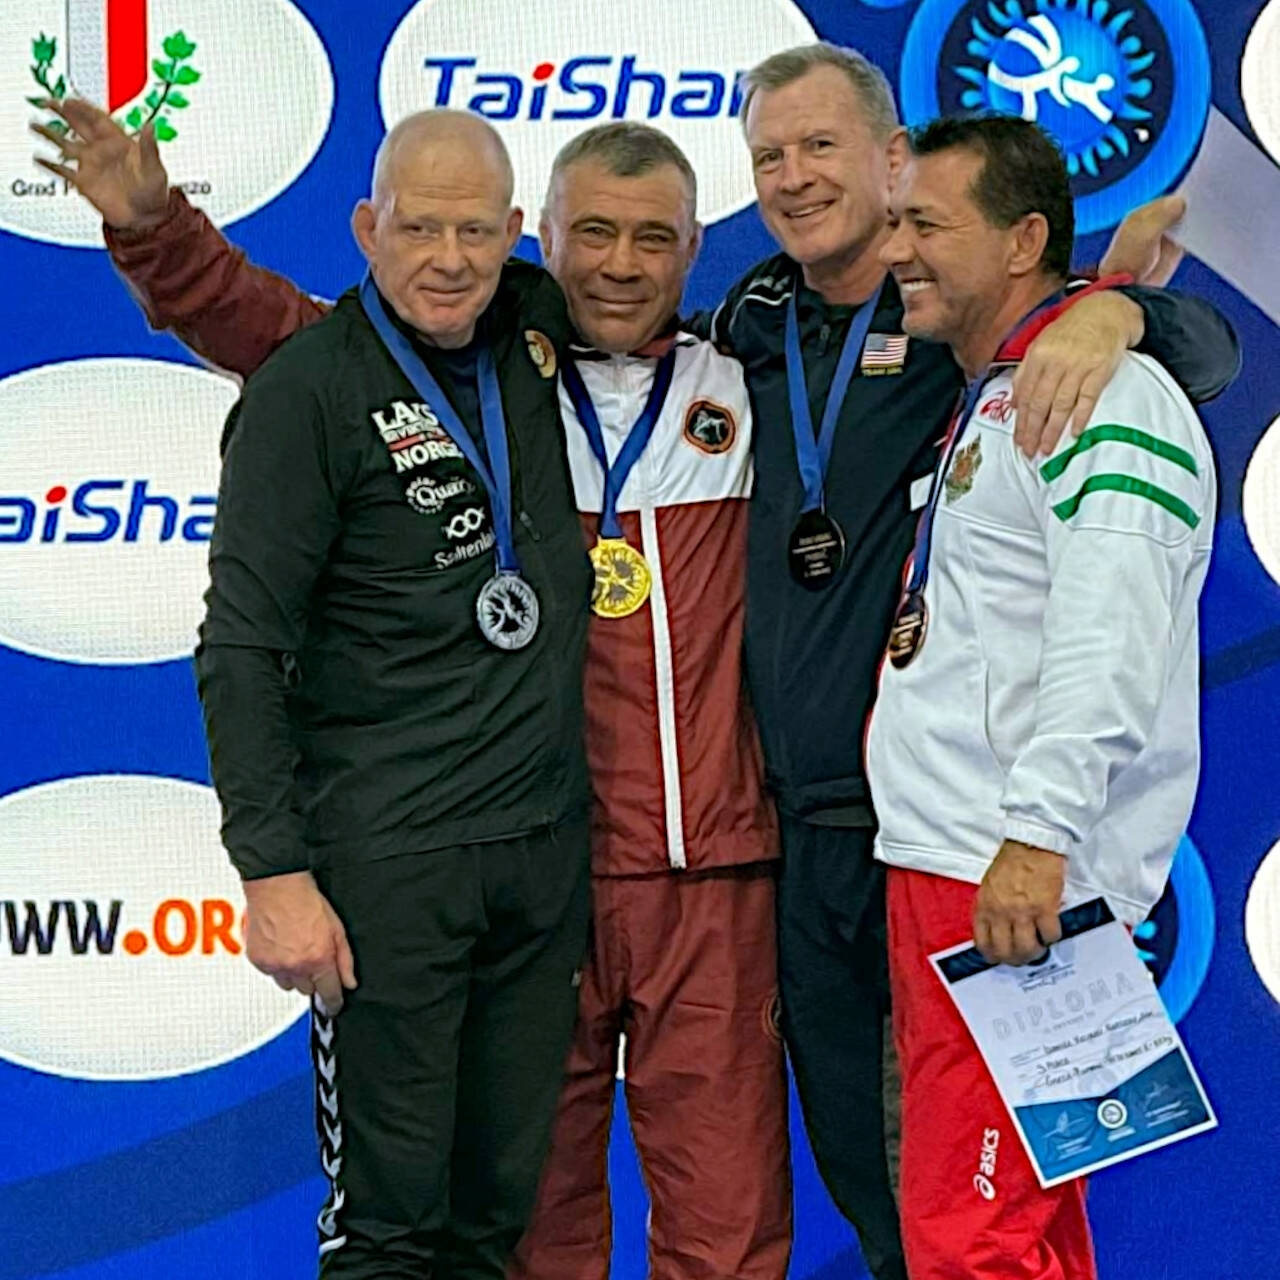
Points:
[(924, 526), (496, 471), (615, 476), (813, 452)]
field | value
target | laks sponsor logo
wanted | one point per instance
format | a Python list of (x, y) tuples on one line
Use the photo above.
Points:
[(413, 435), (185, 67), (541, 73), (108, 484), (121, 945)]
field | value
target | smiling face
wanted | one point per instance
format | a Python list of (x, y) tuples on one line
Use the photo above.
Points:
[(963, 280), (621, 249), (821, 175), (439, 230)]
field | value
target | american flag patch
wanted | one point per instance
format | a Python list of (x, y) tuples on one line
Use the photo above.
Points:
[(884, 351)]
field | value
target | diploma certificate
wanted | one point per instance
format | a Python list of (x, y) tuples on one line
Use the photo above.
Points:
[(1080, 1047)]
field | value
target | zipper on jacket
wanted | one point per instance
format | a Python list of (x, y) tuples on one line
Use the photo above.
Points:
[(664, 675)]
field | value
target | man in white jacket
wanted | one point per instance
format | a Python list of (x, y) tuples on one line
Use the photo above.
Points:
[(1035, 740)]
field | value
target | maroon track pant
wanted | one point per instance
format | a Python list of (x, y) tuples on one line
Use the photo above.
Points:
[(683, 964)]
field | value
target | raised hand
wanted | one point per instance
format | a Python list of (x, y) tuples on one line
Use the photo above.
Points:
[(123, 177), (1142, 245)]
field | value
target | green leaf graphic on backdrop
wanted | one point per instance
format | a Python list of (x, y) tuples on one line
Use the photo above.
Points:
[(163, 94)]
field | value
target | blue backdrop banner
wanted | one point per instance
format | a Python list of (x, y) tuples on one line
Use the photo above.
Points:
[(155, 1089)]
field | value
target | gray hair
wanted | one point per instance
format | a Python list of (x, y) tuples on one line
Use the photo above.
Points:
[(869, 82), (626, 150)]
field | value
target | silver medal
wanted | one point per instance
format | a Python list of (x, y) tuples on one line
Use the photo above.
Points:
[(507, 611)]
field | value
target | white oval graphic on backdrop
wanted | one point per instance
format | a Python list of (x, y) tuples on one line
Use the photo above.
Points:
[(1259, 81), (108, 487), (120, 939), (1262, 921), (1261, 500), (541, 73), (253, 86)]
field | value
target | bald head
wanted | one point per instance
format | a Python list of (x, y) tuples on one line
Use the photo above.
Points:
[(441, 139), (439, 224)]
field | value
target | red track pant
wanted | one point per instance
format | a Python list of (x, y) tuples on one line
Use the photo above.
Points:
[(971, 1206), (683, 963)]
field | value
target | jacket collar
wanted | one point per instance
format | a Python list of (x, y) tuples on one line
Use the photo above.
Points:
[(654, 349), (1015, 345)]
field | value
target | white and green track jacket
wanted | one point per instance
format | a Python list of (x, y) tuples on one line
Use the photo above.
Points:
[(1055, 699)]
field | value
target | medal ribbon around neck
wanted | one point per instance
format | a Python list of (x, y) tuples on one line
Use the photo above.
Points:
[(623, 580), (911, 619), (813, 450), (507, 607)]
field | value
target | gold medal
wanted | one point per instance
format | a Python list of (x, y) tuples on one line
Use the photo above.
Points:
[(623, 580)]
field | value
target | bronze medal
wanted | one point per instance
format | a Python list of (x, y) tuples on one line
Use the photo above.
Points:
[(909, 626)]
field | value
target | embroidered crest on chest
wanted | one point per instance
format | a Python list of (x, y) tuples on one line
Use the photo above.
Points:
[(709, 426), (964, 468)]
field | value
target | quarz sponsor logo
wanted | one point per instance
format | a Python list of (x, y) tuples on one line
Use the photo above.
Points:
[(187, 67), (121, 945), (108, 484), (1123, 88), (542, 73)]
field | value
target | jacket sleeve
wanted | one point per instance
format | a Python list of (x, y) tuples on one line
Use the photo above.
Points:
[(1190, 337), (191, 280), (1126, 512), (277, 518)]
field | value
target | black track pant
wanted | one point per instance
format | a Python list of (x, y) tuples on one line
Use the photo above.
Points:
[(833, 977), (437, 1083)]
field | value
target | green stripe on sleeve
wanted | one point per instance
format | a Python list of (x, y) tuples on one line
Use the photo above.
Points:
[(1121, 435), (1131, 485)]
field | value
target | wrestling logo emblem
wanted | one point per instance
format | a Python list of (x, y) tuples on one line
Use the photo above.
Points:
[(1124, 89), (709, 427)]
